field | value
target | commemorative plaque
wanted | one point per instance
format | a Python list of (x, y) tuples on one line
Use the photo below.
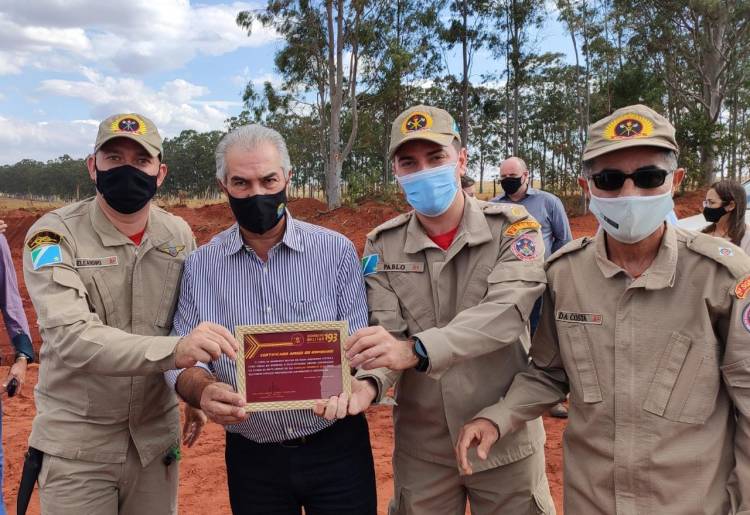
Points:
[(290, 366)]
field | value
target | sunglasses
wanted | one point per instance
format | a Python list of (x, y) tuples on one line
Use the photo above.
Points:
[(648, 177)]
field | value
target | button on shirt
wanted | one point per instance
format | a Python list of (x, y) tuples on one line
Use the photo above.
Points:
[(313, 274), (548, 210)]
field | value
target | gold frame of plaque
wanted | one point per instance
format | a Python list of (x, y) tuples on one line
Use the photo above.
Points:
[(243, 332)]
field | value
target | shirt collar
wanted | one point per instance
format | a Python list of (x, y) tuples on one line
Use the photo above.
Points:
[(291, 238), (473, 229), (156, 231), (660, 274)]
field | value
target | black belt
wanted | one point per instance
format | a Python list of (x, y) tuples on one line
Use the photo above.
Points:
[(296, 442)]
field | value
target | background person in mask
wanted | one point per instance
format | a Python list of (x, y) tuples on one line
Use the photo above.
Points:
[(724, 208), (647, 325), (450, 287), (272, 269), (103, 275), (546, 209)]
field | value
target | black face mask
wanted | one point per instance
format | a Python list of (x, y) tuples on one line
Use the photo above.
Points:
[(714, 214), (259, 213), (125, 188), (511, 184)]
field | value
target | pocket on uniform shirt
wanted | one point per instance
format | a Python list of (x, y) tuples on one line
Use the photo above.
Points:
[(103, 301), (169, 295), (585, 368), (686, 382), (737, 376)]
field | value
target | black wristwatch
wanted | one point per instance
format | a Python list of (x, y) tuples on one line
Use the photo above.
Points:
[(421, 353)]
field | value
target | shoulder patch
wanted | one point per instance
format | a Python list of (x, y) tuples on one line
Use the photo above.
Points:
[(720, 251), (570, 247), (390, 224), (522, 226), (43, 237), (369, 264), (742, 288), (525, 248), (46, 255)]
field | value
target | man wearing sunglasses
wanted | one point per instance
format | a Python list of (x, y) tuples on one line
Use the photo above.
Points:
[(649, 331)]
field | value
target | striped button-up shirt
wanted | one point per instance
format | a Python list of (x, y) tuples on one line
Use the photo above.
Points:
[(313, 274)]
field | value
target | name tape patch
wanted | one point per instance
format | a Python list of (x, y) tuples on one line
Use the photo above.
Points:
[(371, 265), (579, 318), (96, 262)]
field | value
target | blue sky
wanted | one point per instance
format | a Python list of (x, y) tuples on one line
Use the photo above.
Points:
[(67, 64)]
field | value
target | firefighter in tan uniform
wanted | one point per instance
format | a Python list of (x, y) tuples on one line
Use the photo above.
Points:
[(450, 288), (649, 330), (103, 275)]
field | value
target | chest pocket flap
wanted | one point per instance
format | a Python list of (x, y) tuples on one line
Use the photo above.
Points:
[(584, 361), (65, 305)]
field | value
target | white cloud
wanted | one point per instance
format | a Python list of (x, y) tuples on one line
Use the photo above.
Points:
[(173, 107), (20, 139), (257, 77), (135, 37), (177, 105)]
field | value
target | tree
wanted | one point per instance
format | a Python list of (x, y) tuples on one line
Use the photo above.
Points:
[(316, 38), (700, 48)]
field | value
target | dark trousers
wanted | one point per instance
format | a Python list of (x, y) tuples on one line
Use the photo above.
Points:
[(330, 472)]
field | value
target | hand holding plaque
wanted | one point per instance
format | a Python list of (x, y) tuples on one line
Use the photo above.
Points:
[(291, 366)]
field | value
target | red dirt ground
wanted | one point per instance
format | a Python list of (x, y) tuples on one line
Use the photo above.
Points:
[(202, 475)]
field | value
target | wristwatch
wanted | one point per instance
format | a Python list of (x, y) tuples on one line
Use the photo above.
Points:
[(23, 355), (421, 353)]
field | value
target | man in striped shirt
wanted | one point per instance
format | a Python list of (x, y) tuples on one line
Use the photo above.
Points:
[(270, 269)]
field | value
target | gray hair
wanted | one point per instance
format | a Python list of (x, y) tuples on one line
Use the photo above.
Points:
[(250, 137), (669, 157), (518, 160)]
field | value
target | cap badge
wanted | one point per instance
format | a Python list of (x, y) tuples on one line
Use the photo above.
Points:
[(129, 123), (629, 126), (418, 121)]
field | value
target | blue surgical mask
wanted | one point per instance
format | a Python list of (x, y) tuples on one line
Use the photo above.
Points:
[(631, 219), (431, 192)]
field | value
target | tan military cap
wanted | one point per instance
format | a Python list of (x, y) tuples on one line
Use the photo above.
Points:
[(423, 122), (132, 126), (632, 126)]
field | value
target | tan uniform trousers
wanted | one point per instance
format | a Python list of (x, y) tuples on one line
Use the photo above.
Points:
[(426, 488), (76, 487)]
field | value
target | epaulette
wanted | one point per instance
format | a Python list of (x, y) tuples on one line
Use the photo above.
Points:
[(723, 252), (390, 224), (571, 246), (513, 212)]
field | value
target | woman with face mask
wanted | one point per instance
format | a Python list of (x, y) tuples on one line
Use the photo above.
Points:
[(724, 207)]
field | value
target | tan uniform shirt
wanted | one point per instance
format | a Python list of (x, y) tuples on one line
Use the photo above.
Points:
[(104, 309), (469, 305), (658, 370)]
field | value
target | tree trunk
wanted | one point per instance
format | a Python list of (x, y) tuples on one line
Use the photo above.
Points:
[(333, 170), (465, 78)]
